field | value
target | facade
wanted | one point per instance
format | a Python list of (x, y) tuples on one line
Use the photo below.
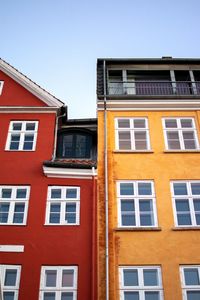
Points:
[(47, 195), (148, 179)]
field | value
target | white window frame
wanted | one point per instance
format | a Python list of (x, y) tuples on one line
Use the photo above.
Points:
[(58, 289), (14, 200), (132, 130), (63, 201), (141, 288), (22, 134), (136, 198), (180, 131), (15, 288), (1, 86), (188, 288), (189, 196)]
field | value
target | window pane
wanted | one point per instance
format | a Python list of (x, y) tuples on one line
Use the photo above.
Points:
[(140, 145), (126, 189), (28, 142), (30, 126), (14, 143), (130, 277), (187, 123), (189, 140), (68, 278), (140, 135), (55, 193), (196, 204), (70, 215), (67, 296), (144, 188), (139, 123), (131, 296), (145, 205), (193, 295), (50, 278), (124, 140), (127, 205), (171, 123), (49, 296), (8, 295), (6, 193), (184, 219), (54, 213), (180, 189), (150, 277), (19, 213), (71, 193), (191, 276), (152, 296), (195, 188), (16, 126), (182, 205), (4, 209), (21, 193), (128, 220), (124, 123), (146, 220), (10, 277)]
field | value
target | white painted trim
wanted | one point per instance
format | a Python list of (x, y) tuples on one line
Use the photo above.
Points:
[(11, 248), (27, 109), (32, 87), (1, 86), (69, 173)]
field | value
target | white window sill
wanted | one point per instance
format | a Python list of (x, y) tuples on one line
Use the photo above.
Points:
[(138, 228), (186, 228), (47, 224), (133, 151), (182, 151)]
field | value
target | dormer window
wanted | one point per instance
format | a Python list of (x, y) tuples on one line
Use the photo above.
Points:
[(74, 144)]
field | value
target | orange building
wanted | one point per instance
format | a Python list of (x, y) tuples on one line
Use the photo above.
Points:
[(149, 179)]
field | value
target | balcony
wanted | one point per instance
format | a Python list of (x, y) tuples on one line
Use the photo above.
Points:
[(154, 88)]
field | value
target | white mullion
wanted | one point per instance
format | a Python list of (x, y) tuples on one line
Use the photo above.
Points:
[(155, 215), (59, 279), (192, 211), (11, 212), (62, 212), (78, 212)]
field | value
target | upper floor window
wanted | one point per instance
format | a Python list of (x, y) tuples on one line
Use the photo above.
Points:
[(63, 205), (136, 204), (22, 136), (190, 281), (58, 282), (186, 202), (74, 144), (140, 283), (9, 281), (132, 134), (1, 86), (180, 134), (14, 204)]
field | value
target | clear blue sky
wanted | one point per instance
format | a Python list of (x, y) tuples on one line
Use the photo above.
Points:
[(56, 43)]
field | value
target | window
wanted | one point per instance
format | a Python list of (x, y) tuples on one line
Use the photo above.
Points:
[(141, 283), (1, 86), (58, 283), (180, 134), (9, 281), (136, 203), (14, 204), (74, 144), (22, 136), (132, 134), (186, 202), (190, 280), (63, 205)]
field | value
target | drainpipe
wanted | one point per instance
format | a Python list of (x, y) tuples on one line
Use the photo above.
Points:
[(55, 134), (94, 243), (106, 182)]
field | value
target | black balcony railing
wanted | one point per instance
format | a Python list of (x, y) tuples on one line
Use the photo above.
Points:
[(147, 88)]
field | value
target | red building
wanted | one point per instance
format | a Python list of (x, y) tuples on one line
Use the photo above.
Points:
[(47, 195)]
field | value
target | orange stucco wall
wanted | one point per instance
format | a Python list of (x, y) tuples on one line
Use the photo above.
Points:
[(166, 247)]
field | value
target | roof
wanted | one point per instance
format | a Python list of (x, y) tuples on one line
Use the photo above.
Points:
[(30, 85), (162, 60)]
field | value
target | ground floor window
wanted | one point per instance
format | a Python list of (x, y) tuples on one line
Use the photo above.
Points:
[(9, 281), (190, 280)]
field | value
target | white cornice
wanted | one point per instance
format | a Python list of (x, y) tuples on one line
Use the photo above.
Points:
[(123, 105), (28, 109), (28, 84), (69, 173)]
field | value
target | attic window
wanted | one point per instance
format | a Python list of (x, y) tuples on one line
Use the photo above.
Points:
[(74, 144), (1, 86)]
